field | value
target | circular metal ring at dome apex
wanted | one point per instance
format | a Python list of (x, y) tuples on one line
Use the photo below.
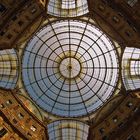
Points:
[(70, 68)]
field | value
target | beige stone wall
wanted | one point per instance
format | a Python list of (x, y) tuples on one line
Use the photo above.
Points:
[(116, 119), (20, 118)]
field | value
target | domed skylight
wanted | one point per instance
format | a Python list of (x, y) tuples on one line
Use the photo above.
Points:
[(70, 68)]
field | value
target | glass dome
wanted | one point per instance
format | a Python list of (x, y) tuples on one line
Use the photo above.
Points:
[(70, 68)]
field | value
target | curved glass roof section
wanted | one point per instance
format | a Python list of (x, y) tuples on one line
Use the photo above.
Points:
[(70, 68), (68, 130), (131, 68), (67, 8), (8, 68)]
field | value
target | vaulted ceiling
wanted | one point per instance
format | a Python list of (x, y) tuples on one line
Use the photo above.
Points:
[(70, 69)]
